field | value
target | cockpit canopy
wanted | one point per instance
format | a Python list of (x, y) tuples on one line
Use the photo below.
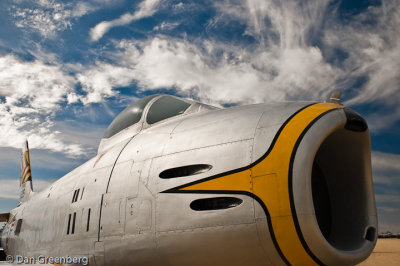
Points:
[(162, 108)]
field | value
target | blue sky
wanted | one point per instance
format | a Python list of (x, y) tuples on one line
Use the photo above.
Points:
[(67, 68)]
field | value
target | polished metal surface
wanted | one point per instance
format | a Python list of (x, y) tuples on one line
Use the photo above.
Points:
[(116, 210)]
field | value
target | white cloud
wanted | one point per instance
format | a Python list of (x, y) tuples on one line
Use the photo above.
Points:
[(372, 41), (29, 80), (373, 46), (9, 188), (287, 69), (98, 81), (283, 65), (386, 170), (290, 20), (386, 175), (47, 17), (33, 92), (145, 9), (211, 70), (386, 198), (166, 26), (375, 49), (388, 162), (42, 161)]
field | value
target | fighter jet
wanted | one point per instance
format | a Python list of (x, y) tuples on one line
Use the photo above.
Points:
[(179, 182)]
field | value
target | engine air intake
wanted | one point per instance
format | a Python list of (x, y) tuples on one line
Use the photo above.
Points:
[(333, 191)]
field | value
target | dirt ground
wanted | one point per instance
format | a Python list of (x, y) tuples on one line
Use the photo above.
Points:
[(386, 252)]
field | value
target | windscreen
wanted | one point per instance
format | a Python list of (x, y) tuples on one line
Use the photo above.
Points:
[(129, 116), (165, 107)]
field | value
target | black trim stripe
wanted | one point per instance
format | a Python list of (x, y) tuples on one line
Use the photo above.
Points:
[(177, 189), (246, 193), (290, 182)]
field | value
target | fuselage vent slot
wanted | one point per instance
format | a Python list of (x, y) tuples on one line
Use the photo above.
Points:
[(218, 203), (18, 227), (187, 170)]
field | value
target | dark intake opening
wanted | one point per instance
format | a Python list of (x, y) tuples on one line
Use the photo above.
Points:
[(321, 200), (218, 203), (341, 192)]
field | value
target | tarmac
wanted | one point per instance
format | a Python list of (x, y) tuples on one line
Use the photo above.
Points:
[(386, 252)]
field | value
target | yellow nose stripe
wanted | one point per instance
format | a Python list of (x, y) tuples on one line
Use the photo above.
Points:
[(267, 180)]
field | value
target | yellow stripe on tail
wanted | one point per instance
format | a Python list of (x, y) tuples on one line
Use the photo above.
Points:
[(25, 165)]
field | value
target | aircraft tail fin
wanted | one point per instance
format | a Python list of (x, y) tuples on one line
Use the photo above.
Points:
[(25, 188)]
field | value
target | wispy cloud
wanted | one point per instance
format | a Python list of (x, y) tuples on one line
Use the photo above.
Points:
[(212, 70), (372, 41), (388, 199), (282, 65), (145, 9), (291, 57), (166, 26), (382, 161), (386, 169), (386, 176), (9, 188), (10, 160), (47, 17)]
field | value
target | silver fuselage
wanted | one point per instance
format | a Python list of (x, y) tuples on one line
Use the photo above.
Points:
[(133, 222)]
